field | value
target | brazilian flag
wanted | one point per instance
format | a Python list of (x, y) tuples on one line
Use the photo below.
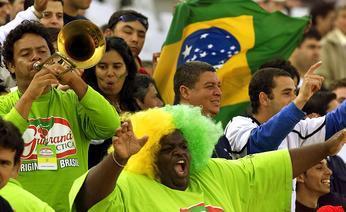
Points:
[(235, 36)]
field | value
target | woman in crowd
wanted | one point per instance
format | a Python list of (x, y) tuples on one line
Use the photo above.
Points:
[(113, 77), (145, 93)]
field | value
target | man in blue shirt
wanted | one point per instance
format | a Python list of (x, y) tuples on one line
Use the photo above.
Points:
[(277, 120)]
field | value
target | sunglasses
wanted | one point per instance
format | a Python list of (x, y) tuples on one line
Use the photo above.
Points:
[(130, 17)]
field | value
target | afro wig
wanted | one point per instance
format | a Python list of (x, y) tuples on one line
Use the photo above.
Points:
[(200, 132)]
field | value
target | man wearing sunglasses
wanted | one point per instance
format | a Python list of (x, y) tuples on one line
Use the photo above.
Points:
[(131, 26)]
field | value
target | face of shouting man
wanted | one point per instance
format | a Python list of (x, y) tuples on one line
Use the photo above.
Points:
[(173, 161)]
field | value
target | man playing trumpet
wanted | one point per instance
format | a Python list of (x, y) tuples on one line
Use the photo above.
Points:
[(57, 126)]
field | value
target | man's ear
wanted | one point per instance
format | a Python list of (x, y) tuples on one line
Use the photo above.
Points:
[(10, 67), (108, 33), (263, 99), (295, 53), (139, 103), (319, 19), (184, 92), (300, 178), (15, 170)]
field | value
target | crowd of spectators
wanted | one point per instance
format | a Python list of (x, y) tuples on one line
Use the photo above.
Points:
[(103, 139)]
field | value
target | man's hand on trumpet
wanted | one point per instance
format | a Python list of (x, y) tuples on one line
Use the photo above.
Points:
[(40, 84), (78, 71), (70, 78), (64, 76)]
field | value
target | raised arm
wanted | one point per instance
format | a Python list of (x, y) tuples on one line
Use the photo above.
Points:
[(40, 84), (311, 84), (336, 120), (18, 115), (101, 179), (305, 157), (98, 118), (72, 79), (270, 134)]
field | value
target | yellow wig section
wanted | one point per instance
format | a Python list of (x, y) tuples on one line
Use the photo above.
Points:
[(145, 123)]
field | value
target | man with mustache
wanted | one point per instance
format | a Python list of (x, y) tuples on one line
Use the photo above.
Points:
[(196, 83)]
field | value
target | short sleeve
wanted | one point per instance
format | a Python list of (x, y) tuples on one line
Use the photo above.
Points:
[(260, 182)]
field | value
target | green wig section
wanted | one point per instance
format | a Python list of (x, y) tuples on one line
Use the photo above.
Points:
[(200, 132)]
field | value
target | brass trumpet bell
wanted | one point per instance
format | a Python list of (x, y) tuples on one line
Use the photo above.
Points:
[(81, 44)]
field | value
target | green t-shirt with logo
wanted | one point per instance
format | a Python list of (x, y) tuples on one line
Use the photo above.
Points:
[(66, 125), (22, 200), (261, 182)]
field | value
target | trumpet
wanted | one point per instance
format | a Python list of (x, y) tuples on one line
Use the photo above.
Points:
[(81, 44)]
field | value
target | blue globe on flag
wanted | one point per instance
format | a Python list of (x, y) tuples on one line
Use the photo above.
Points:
[(213, 45)]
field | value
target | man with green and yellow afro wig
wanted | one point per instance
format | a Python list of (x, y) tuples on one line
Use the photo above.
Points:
[(200, 133), (161, 162)]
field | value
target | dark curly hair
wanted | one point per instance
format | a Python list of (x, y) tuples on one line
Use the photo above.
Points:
[(17, 33), (126, 100), (11, 139)]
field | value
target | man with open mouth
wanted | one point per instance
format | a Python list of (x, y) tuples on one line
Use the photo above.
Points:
[(161, 162), (312, 184)]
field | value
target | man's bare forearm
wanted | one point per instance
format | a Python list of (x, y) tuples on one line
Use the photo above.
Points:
[(99, 183)]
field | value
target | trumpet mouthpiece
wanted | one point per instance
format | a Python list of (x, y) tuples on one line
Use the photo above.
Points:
[(37, 66)]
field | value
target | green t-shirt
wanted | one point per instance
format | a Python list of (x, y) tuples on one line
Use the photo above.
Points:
[(22, 200), (68, 124), (261, 182)]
